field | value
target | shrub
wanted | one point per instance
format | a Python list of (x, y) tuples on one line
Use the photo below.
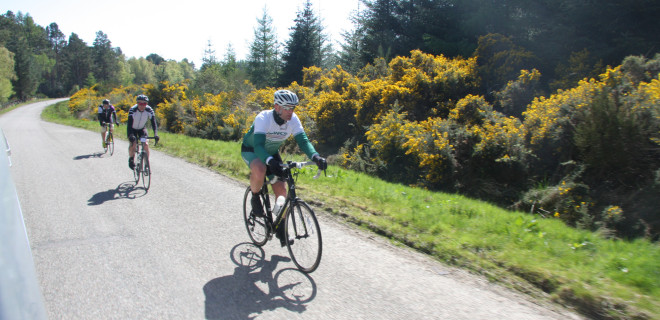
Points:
[(515, 97)]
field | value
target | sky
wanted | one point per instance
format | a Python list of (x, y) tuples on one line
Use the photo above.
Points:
[(180, 29)]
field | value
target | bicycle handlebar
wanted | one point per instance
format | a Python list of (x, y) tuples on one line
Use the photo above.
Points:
[(299, 165), (151, 138)]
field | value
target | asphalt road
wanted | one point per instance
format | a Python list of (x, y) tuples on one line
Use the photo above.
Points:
[(106, 249)]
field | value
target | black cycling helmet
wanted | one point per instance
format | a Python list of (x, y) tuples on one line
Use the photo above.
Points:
[(286, 98), (142, 98), (106, 101)]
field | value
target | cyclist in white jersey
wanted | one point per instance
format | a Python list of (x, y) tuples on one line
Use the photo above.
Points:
[(138, 116), (260, 147)]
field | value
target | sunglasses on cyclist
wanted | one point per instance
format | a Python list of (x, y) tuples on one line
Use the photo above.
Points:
[(288, 108)]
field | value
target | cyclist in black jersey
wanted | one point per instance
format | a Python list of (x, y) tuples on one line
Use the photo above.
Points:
[(107, 118), (260, 147), (136, 127)]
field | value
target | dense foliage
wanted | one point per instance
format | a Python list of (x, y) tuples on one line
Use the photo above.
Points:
[(587, 155)]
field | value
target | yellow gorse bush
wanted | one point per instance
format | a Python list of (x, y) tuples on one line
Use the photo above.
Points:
[(503, 138), (471, 110), (546, 118), (648, 105), (428, 141), (83, 100)]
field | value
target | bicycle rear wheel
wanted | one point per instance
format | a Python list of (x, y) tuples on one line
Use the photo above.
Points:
[(257, 227), (146, 172), (303, 228)]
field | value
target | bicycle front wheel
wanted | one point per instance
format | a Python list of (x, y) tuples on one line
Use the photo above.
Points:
[(257, 227), (110, 143), (146, 172), (136, 170), (303, 228)]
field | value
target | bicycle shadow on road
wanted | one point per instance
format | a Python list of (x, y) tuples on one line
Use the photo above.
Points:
[(125, 190), (91, 155), (253, 288)]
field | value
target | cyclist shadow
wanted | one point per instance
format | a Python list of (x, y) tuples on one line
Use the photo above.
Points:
[(91, 155), (253, 288), (125, 190)]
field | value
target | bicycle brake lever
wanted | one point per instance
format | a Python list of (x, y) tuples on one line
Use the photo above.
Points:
[(318, 174)]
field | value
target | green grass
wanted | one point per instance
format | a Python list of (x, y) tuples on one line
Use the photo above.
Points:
[(601, 278)]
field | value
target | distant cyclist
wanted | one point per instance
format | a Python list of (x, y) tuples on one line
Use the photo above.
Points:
[(260, 147), (138, 116), (107, 118)]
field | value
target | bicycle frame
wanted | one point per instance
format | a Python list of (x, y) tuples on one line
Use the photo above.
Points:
[(108, 141), (141, 143), (291, 197)]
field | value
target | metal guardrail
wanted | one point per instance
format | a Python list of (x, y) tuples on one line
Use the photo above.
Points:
[(7, 146), (20, 294)]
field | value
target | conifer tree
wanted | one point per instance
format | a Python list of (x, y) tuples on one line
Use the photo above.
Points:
[(78, 60), (306, 46), (381, 27), (263, 61), (209, 78), (106, 59), (349, 56)]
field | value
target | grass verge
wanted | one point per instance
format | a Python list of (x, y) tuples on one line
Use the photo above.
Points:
[(11, 106), (600, 278)]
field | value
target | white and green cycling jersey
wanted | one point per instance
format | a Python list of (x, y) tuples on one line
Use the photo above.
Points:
[(266, 136)]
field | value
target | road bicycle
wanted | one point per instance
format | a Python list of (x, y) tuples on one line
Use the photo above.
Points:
[(142, 167), (301, 228), (109, 142)]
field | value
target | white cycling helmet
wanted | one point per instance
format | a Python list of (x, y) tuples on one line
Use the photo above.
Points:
[(286, 98)]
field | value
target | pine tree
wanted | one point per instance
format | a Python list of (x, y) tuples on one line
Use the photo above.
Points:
[(78, 61), (306, 46), (209, 79), (106, 59), (381, 30), (229, 64), (263, 62), (349, 56), (232, 71), (53, 85), (209, 56)]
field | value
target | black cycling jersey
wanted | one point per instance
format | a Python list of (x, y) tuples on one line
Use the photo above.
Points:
[(107, 115)]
